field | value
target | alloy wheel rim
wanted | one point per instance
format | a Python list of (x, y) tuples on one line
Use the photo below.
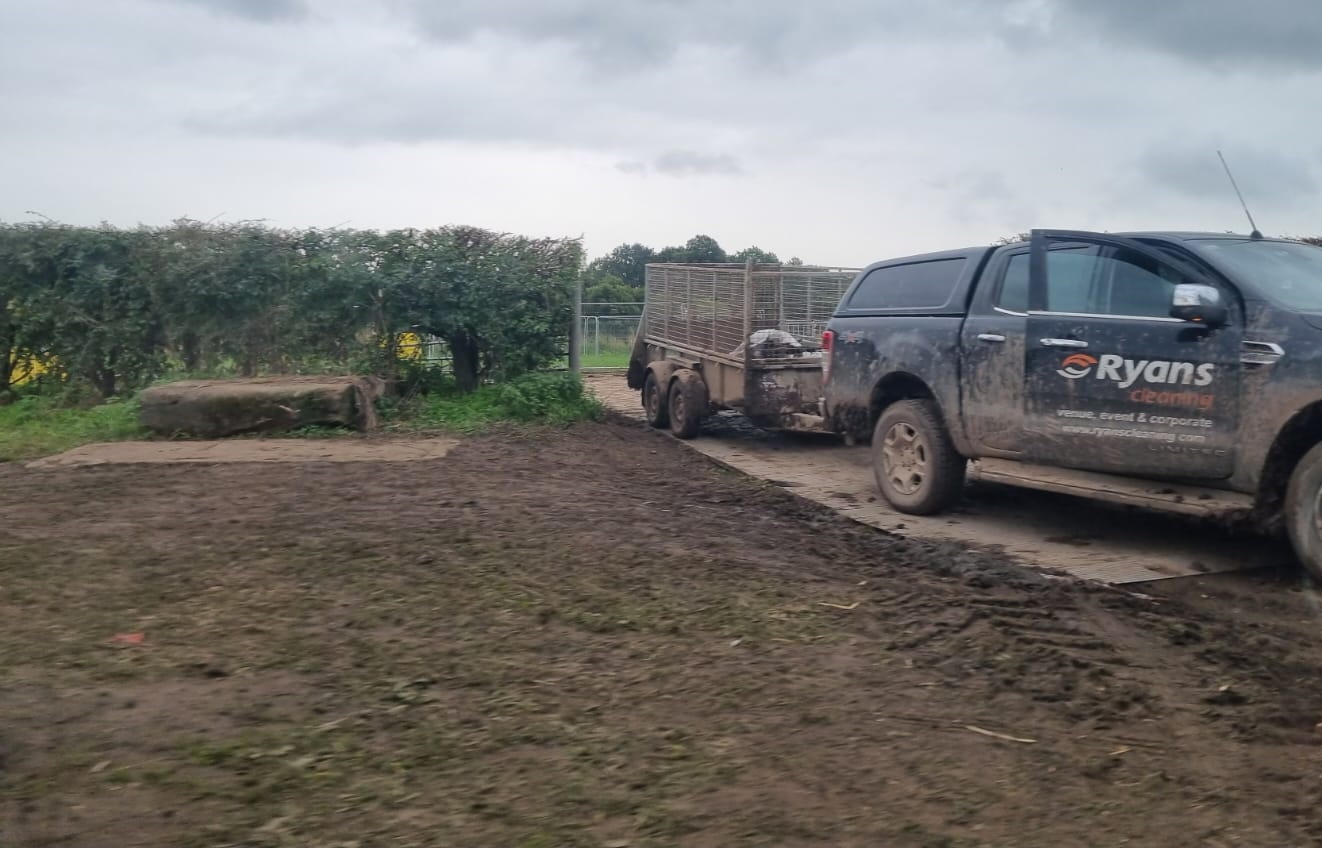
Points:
[(905, 458)]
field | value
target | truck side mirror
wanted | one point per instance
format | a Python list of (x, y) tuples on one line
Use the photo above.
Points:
[(1199, 303)]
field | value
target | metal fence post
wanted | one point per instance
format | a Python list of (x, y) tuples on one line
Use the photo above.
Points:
[(576, 329), (748, 317)]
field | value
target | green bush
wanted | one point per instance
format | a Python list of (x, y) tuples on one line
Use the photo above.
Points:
[(550, 398), (108, 310)]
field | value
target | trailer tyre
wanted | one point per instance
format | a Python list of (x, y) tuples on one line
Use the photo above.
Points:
[(1303, 511), (689, 403), (656, 405), (917, 467)]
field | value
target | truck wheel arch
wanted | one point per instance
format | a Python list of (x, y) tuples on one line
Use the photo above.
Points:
[(1296, 438), (896, 386)]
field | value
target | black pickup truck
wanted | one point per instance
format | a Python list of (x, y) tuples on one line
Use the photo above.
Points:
[(1178, 371)]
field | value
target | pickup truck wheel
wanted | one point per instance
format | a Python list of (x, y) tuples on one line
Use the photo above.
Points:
[(688, 404), (917, 467), (1303, 511), (656, 406)]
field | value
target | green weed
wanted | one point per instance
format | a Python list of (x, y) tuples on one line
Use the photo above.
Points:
[(39, 425), (549, 398)]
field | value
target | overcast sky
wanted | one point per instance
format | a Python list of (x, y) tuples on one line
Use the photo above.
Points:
[(841, 131)]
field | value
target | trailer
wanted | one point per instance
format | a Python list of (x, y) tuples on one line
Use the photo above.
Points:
[(746, 337)]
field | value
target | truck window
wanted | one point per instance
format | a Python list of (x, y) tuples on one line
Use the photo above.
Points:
[(1136, 285), (1070, 273), (917, 285), (1287, 272), (1013, 295), (1108, 281)]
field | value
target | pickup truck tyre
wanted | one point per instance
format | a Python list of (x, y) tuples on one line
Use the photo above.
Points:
[(917, 467), (1303, 511), (656, 405), (689, 404)]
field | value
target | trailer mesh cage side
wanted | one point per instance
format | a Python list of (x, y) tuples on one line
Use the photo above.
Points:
[(743, 313)]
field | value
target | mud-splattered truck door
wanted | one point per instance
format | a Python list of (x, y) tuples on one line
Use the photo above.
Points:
[(1114, 382)]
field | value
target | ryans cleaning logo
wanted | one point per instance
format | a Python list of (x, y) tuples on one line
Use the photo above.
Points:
[(1127, 372), (1077, 365)]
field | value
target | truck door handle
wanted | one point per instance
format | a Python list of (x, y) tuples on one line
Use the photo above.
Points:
[(1063, 343), (1260, 353), (991, 337)]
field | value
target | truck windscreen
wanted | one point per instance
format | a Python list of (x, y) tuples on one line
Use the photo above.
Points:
[(1289, 273)]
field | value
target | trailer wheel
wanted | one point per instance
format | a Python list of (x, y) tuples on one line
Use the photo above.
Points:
[(917, 467), (1303, 511), (656, 406), (688, 403)]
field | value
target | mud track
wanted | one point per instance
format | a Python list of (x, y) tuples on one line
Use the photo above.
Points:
[(594, 637)]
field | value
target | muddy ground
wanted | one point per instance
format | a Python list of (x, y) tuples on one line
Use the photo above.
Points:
[(593, 637)]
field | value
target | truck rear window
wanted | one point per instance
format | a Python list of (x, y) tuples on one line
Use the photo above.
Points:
[(917, 285)]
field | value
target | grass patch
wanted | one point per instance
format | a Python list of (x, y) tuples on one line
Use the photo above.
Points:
[(549, 398), (41, 425), (36, 426), (605, 359)]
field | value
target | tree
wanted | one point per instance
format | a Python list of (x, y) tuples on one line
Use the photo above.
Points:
[(703, 248), (628, 262), (610, 289), (700, 248), (502, 303), (85, 303), (222, 292), (17, 322), (757, 255)]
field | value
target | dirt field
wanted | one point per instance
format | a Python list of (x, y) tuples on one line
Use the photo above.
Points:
[(593, 637)]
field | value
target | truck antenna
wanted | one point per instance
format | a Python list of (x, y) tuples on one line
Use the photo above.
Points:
[(1256, 234)]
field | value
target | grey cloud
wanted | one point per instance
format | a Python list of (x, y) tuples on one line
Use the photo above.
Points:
[(683, 163), (1264, 176), (840, 102), (789, 34), (1223, 33), (262, 11), (984, 196), (614, 35), (688, 163), (347, 108), (553, 74)]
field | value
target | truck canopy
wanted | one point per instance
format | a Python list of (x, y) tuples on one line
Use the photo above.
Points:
[(927, 284)]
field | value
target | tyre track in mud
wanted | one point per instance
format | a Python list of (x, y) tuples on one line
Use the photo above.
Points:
[(1055, 640), (1133, 668), (1065, 635)]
